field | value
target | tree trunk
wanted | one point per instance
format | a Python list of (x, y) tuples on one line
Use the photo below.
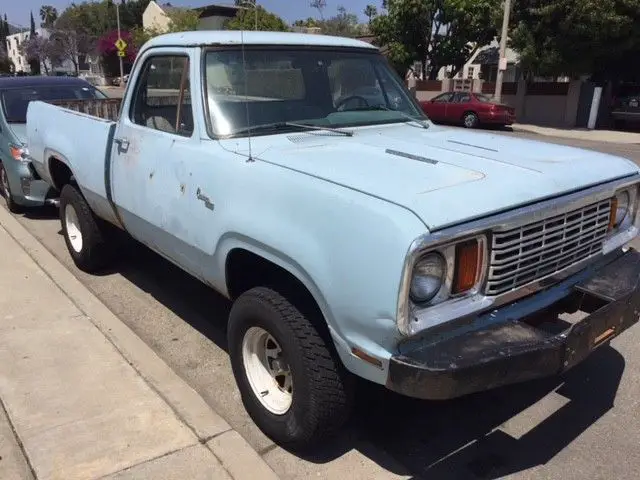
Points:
[(433, 72)]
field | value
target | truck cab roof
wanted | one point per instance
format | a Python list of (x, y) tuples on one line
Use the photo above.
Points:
[(220, 37)]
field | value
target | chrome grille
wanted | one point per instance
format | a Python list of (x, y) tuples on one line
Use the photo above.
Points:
[(533, 251)]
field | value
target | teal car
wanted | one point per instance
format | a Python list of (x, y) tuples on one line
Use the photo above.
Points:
[(20, 185)]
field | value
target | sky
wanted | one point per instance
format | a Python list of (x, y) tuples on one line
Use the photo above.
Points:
[(18, 10)]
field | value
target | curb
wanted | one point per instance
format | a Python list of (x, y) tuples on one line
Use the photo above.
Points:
[(240, 460)]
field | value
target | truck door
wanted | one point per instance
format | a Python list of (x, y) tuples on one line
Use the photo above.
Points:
[(154, 141)]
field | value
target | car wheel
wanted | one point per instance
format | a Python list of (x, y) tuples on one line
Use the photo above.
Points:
[(11, 204), (290, 383), (82, 231), (471, 120)]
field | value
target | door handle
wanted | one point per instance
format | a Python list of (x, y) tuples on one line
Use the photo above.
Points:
[(123, 143)]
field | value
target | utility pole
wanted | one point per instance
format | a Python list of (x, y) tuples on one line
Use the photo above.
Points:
[(502, 63), (119, 56)]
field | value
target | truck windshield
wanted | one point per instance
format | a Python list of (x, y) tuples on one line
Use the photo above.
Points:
[(16, 100), (332, 88)]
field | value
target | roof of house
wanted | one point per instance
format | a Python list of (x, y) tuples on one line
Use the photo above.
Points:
[(206, 10), (222, 37), (39, 81)]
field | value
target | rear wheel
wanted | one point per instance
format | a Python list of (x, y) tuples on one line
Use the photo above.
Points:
[(82, 231), (471, 120), (291, 385), (11, 204)]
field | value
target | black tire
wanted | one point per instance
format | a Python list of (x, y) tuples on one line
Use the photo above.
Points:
[(470, 120), (5, 191), (94, 253), (322, 389)]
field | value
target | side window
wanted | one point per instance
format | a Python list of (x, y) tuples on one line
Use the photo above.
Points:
[(462, 98), (444, 98), (162, 98)]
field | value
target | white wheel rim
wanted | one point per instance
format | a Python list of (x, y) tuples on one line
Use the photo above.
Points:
[(72, 224), (267, 371), (469, 120)]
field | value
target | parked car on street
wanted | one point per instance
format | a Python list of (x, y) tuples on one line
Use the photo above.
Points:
[(469, 109), (626, 110), (19, 184), (354, 237)]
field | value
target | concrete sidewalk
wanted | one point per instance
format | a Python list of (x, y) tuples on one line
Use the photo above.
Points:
[(82, 397), (612, 136)]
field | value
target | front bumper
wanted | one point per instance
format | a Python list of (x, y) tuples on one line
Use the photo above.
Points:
[(516, 350), (26, 186)]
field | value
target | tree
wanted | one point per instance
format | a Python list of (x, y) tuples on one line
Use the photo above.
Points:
[(267, 21), (437, 32), (71, 45), (575, 37), (42, 50), (48, 15), (109, 53), (6, 65), (34, 61), (309, 22), (180, 20), (319, 5), (343, 24), (370, 12)]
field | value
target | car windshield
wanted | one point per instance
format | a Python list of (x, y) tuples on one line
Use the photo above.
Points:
[(320, 87), (16, 100), (484, 98)]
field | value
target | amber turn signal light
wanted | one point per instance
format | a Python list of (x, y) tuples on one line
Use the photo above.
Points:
[(467, 266)]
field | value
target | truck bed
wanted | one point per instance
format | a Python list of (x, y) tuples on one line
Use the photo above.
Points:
[(75, 133), (106, 108)]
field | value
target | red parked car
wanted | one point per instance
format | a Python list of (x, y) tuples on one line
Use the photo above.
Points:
[(468, 109)]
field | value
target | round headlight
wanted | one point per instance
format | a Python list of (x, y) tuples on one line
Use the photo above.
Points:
[(428, 276), (623, 201)]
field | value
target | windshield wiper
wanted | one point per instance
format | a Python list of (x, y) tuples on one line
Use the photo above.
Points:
[(411, 118), (279, 126)]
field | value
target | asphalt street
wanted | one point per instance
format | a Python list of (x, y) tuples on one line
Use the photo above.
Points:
[(584, 425)]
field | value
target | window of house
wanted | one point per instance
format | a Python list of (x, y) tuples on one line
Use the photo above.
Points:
[(470, 72), (162, 99)]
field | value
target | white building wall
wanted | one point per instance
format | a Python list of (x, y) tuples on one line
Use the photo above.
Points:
[(154, 18)]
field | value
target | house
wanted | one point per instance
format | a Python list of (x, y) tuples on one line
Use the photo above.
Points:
[(20, 61), (212, 17)]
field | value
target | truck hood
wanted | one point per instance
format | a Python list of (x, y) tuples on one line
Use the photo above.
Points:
[(445, 176)]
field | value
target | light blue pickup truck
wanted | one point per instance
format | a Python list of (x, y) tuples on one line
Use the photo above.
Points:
[(296, 175)]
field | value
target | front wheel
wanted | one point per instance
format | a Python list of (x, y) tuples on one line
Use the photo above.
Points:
[(290, 383), (82, 231)]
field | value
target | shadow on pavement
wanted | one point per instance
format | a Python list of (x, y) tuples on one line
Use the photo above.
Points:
[(457, 439)]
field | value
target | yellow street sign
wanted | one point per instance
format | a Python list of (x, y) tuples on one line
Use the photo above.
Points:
[(121, 53), (120, 45)]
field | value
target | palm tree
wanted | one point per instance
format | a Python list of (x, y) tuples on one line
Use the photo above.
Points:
[(49, 15), (370, 11)]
